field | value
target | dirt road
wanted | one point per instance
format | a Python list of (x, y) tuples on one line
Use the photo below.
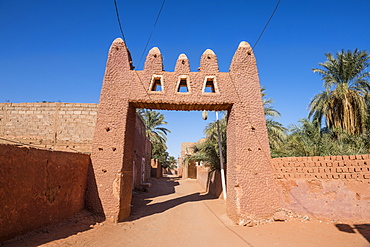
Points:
[(178, 213)]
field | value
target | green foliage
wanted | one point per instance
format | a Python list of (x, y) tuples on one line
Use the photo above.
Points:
[(276, 131), (156, 133), (342, 104), (308, 139), (208, 151), (345, 107)]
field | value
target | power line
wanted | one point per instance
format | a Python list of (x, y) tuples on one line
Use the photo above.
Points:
[(151, 33), (119, 21), (277, 5)]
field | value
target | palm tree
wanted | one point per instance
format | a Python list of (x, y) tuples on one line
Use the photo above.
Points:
[(153, 122), (172, 161), (346, 84), (276, 131), (208, 151)]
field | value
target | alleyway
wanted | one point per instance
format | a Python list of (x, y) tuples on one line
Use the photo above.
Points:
[(178, 213)]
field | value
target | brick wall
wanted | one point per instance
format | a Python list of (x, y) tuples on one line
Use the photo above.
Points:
[(57, 126), (330, 188), (327, 167), (39, 187)]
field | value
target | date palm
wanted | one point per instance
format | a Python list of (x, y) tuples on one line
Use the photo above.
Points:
[(276, 131), (342, 103), (153, 122)]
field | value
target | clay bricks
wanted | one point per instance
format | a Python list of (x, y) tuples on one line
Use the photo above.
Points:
[(328, 167), (45, 121)]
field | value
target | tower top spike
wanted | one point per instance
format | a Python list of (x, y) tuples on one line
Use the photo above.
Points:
[(244, 44), (182, 56), (208, 52), (153, 61), (154, 50)]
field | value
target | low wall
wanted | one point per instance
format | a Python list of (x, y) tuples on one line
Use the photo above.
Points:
[(156, 168), (209, 181), (39, 187), (329, 188)]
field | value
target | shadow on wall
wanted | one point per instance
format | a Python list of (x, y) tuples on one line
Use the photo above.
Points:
[(92, 200), (214, 184), (363, 229)]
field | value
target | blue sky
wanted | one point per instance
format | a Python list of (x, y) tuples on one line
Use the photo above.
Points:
[(57, 50)]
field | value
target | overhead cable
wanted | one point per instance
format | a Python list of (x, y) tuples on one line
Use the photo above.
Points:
[(151, 33), (276, 7), (119, 21)]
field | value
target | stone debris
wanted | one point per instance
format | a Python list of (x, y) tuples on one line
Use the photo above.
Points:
[(280, 216)]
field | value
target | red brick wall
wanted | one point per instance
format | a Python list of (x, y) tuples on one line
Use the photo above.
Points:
[(39, 187), (330, 188)]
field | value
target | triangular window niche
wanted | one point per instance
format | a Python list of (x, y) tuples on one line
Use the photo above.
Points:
[(156, 84), (183, 86), (209, 86)]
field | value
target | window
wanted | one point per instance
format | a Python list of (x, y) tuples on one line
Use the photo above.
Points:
[(183, 86), (209, 86), (156, 84)]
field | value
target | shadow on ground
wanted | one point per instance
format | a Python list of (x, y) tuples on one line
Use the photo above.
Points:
[(163, 186), (85, 220), (363, 229), (80, 222)]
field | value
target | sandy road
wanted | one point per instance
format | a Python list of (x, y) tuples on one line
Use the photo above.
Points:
[(178, 213)]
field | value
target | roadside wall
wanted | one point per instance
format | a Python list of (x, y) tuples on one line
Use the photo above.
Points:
[(57, 126), (143, 154), (329, 188), (209, 181), (39, 187)]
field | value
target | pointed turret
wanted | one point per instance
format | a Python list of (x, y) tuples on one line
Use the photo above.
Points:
[(153, 61), (243, 57), (182, 64), (119, 55), (208, 62)]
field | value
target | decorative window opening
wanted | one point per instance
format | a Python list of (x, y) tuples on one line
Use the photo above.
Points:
[(183, 86), (157, 84), (209, 87)]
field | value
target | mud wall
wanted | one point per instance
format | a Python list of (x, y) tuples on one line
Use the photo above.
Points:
[(57, 126), (209, 181), (39, 187), (143, 154), (330, 188)]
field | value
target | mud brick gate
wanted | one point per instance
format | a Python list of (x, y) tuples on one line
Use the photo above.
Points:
[(252, 192)]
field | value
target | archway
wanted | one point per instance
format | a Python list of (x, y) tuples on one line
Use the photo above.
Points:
[(252, 193)]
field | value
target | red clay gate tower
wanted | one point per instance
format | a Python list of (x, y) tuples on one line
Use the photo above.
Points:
[(252, 192)]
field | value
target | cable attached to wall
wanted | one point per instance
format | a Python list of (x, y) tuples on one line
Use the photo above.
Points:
[(151, 33), (119, 21), (276, 7)]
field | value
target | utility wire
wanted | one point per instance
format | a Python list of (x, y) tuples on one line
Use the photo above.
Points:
[(119, 21), (277, 5), (151, 33)]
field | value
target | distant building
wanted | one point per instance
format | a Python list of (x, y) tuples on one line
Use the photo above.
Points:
[(187, 168)]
